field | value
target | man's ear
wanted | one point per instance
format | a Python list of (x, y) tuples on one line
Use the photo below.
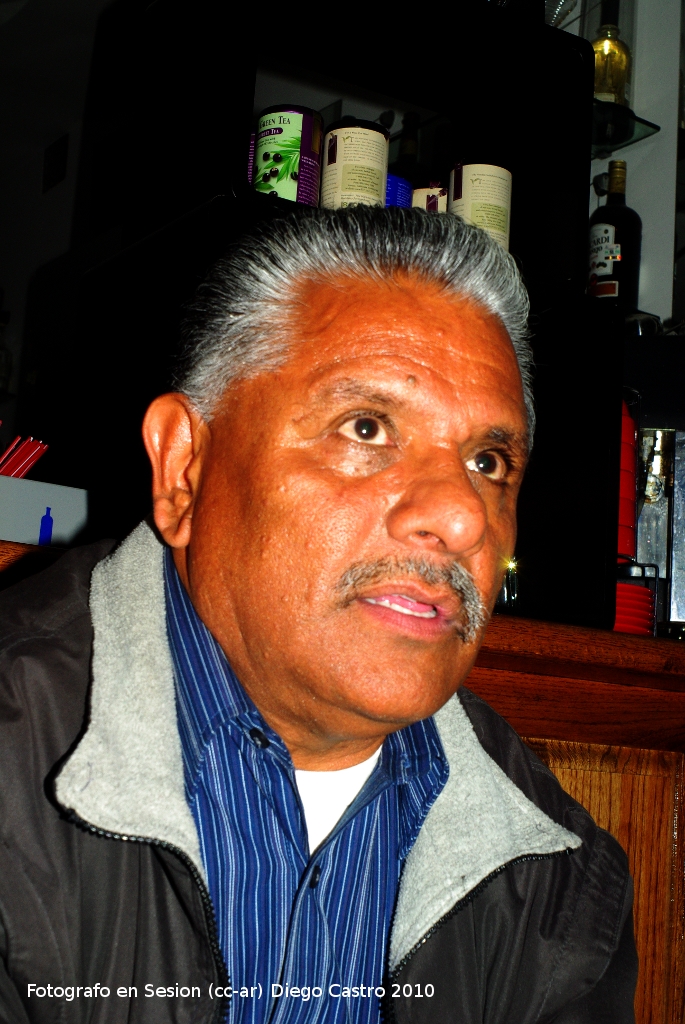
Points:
[(175, 437)]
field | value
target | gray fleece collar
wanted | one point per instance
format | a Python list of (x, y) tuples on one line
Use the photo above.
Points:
[(126, 774)]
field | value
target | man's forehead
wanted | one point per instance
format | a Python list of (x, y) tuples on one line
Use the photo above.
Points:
[(399, 301)]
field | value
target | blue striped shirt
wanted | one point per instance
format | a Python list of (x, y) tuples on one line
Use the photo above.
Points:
[(287, 920)]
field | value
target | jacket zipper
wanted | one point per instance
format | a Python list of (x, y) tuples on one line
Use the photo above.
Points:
[(210, 919), (389, 1010)]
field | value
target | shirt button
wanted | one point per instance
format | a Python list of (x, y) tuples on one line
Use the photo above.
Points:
[(259, 738), (316, 875)]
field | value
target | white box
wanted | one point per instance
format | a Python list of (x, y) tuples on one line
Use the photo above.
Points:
[(23, 504)]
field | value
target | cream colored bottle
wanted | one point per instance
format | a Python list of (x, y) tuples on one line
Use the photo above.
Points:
[(355, 164), (481, 195)]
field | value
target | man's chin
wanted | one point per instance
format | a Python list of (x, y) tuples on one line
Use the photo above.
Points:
[(392, 687), (402, 708)]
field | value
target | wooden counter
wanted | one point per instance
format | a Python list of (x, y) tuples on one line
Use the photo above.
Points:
[(587, 685), (11, 552), (606, 712)]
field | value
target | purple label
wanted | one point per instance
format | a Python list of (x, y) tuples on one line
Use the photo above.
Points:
[(250, 159), (458, 175), (308, 180), (309, 172)]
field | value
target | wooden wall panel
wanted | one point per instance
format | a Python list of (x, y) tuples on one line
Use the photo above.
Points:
[(636, 795), (584, 710)]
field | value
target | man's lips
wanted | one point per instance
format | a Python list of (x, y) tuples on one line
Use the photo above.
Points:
[(408, 602), (404, 605), (411, 612), (416, 596)]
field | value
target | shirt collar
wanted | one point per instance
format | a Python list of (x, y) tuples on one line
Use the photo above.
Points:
[(209, 694)]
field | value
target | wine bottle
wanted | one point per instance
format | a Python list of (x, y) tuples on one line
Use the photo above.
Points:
[(612, 58), (615, 243)]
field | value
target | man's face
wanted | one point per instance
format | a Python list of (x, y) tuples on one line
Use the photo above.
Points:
[(335, 491)]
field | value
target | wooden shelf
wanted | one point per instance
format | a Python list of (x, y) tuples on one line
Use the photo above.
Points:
[(584, 685), (607, 713), (11, 552)]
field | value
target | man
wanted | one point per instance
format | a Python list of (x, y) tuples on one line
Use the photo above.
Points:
[(240, 775)]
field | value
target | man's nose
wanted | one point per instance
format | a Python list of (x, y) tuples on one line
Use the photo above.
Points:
[(440, 510)]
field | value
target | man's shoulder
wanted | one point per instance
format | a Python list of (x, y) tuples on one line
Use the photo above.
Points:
[(539, 784), (47, 601), (536, 935), (45, 642)]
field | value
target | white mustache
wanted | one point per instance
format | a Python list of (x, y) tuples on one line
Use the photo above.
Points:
[(458, 579)]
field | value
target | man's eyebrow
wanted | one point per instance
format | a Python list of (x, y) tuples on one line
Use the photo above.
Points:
[(359, 390), (350, 388), (513, 439)]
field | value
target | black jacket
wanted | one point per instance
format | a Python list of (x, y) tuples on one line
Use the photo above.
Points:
[(544, 934)]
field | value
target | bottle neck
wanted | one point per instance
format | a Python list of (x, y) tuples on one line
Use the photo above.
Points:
[(616, 199)]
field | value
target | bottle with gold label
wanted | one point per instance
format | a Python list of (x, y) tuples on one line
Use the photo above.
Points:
[(612, 58), (615, 244)]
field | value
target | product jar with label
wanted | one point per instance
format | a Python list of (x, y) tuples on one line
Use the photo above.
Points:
[(481, 195), (287, 154), (355, 164)]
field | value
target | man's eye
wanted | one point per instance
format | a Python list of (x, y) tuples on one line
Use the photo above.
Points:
[(365, 428), (488, 464)]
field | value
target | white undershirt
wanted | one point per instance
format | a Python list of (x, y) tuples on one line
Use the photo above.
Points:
[(326, 796)]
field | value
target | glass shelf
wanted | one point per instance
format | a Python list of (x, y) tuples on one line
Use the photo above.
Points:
[(615, 126)]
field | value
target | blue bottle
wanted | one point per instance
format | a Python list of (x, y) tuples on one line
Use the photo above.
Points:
[(46, 524), (398, 191)]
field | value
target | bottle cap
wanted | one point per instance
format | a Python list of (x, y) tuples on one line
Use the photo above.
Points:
[(617, 176)]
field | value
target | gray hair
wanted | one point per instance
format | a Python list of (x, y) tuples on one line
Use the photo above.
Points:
[(237, 324)]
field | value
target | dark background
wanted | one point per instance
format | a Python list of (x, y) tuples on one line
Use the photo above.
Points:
[(161, 191)]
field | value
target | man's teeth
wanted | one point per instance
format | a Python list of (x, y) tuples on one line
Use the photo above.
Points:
[(387, 603)]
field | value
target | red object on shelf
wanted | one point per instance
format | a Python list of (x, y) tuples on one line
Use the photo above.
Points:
[(627, 485), (628, 456), (627, 542), (637, 590), (8, 451), (18, 459), (635, 609), (626, 512), (645, 621), (639, 630), (628, 431)]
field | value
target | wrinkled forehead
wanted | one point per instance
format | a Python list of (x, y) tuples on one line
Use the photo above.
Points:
[(319, 302), (402, 315), (389, 344)]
